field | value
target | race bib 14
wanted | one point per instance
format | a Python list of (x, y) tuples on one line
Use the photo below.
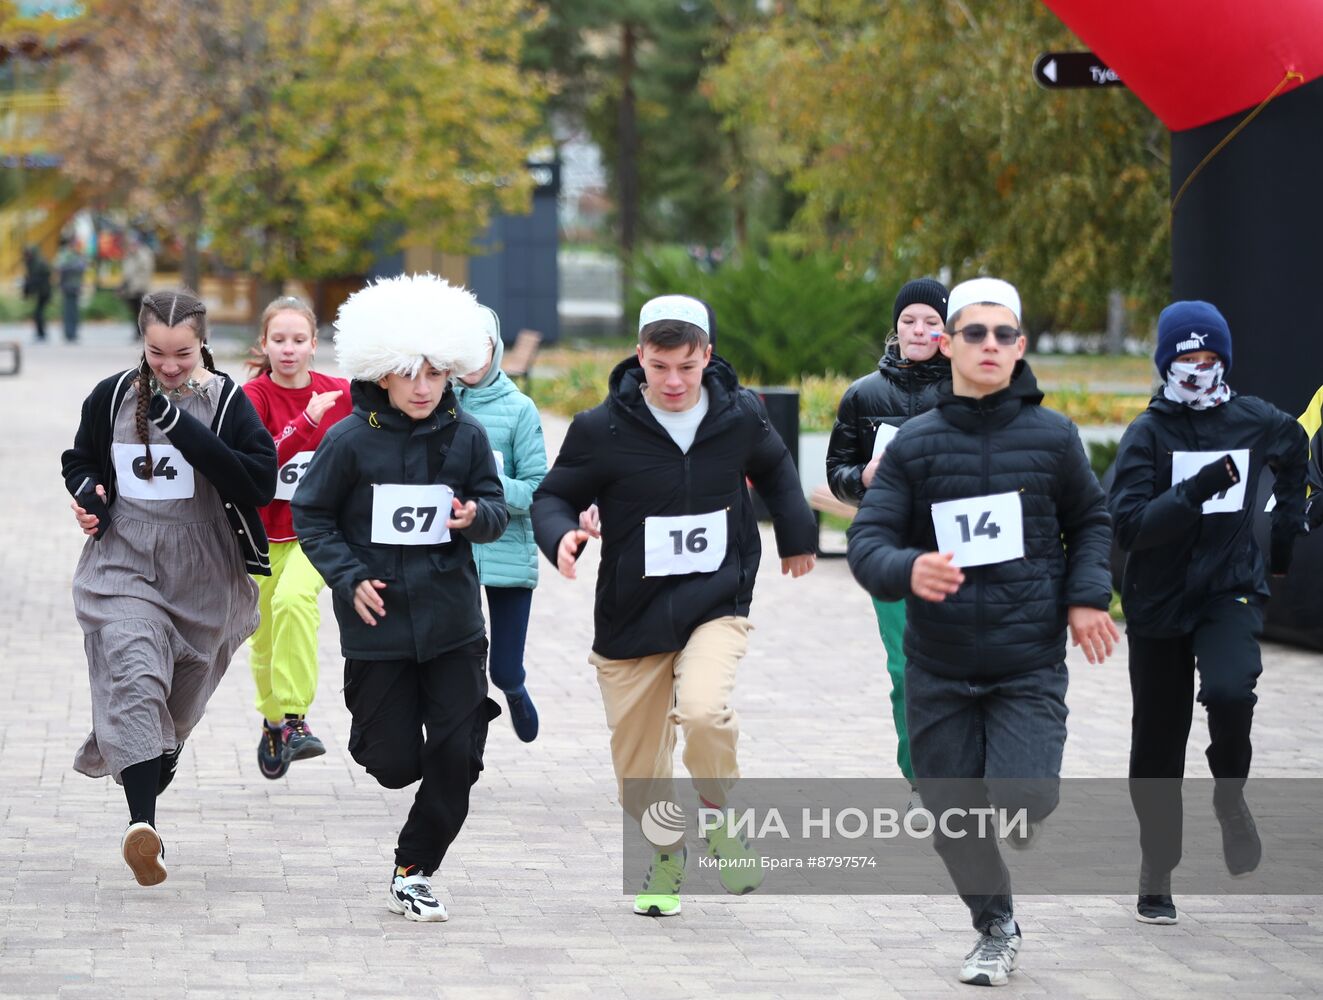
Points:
[(980, 530)]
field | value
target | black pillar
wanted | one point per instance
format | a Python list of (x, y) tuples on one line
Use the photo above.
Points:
[(1248, 237)]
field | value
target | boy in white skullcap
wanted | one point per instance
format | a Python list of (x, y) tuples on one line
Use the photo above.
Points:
[(665, 457), (395, 496), (985, 516)]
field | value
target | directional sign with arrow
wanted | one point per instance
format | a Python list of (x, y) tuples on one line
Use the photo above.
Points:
[(1055, 70)]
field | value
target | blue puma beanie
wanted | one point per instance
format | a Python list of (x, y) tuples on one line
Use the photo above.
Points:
[(1191, 326)]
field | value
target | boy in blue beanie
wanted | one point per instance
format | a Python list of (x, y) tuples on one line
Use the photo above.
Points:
[(1182, 506)]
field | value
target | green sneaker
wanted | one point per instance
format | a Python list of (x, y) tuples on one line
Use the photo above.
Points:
[(661, 889), (739, 865)]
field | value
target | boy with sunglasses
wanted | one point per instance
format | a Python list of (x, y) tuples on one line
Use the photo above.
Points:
[(985, 516)]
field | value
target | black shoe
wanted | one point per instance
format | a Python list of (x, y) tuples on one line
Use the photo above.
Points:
[(1241, 846), (270, 753), (297, 741), (523, 715), (1155, 910), (169, 762)]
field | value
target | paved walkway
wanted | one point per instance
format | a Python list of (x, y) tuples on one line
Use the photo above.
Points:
[(280, 885)]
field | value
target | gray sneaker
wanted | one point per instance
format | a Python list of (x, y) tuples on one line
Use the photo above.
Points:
[(992, 959)]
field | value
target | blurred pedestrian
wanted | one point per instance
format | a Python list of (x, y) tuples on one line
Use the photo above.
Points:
[(37, 286), (136, 275), (69, 266)]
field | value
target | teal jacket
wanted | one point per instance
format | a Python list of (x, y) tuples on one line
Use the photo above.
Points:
[(515, 431)]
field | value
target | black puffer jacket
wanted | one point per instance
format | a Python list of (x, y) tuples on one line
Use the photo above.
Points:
[(431, 595), (618, 456), (898, 390), (1181, 559), (1009, 617)]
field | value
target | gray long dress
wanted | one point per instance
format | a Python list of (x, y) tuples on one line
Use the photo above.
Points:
[(163, 601)]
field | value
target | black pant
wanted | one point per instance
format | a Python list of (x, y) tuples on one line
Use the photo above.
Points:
[(1224, 649), (39, 314), (392, 702)]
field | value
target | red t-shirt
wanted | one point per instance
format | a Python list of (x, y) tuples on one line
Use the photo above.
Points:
[(283, 413)]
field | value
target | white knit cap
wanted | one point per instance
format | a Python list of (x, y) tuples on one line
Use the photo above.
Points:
[(680, 307), (980, 290), (396, 323)]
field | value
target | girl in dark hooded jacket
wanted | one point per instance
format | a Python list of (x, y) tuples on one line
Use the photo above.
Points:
[(904, 385)]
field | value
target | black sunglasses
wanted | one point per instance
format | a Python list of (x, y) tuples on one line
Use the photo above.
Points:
[(976, 333)]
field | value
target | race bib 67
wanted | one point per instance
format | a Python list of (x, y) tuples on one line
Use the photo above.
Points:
[(410, 515)]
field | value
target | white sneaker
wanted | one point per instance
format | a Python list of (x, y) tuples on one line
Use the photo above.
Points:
[(143, 852), (412, 896), (993, 958)]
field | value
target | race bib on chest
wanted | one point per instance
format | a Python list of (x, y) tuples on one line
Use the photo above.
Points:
[(171, 476), (1185, 464), (291, 474), (500, 462), (885, 432), (410, 515), (690, 543), (981, 530)]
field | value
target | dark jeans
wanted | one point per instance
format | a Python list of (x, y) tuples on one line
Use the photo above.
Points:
[(392, 703), (1224, 650), (39, 315), (509, 608), (980, 743), (70, 300)]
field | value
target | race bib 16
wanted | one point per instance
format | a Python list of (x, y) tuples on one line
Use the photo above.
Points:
[(689, 543)]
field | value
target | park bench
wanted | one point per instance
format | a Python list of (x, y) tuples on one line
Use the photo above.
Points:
[(518, 360), (15, 351)]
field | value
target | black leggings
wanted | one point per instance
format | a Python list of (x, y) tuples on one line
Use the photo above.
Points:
[(1224, 650)]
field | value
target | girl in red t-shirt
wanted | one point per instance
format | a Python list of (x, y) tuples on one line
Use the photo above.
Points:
[(297, 405)]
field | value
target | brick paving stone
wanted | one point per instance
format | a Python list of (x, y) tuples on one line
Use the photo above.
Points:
[(279, 881)]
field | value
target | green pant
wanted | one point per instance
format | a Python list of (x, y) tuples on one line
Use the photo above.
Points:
[(284, 651), (891, 623)]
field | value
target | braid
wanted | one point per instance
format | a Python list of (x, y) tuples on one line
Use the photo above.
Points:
[(208, 362), (140, 415)]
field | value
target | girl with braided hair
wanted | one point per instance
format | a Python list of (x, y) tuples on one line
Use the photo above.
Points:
[(167, 470)]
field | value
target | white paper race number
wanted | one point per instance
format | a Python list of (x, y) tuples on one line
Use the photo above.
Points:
[(981, 530), (172, 476), (1185, 464), (690, 543), (290, 475), (885, 432), (410, 515)]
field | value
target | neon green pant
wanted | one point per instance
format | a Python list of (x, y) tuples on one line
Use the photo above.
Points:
[(284, 650), (891, 623)]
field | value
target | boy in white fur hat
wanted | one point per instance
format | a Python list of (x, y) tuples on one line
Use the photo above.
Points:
[(395, 496)]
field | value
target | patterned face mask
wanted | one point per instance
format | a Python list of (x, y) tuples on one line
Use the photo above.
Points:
[(1198, 386)]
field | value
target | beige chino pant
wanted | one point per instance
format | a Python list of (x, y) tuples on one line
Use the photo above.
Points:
[(646, 698)]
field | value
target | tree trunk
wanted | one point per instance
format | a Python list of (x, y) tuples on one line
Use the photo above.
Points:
[(191, 267), (627, 167), (1115, 341)]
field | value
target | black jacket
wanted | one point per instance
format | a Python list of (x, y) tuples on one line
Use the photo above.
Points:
[(1180, 559), (1009, 617), (235, 453), (618, 456), (431, 595), (898, 390)]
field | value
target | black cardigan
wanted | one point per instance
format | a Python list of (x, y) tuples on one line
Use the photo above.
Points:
[(236, 454)]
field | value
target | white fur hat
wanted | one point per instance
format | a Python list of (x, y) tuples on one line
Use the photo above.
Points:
[(396, 323), (980, 290)]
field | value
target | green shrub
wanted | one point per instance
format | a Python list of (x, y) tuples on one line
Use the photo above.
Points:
[(780, 316), (104, 304)]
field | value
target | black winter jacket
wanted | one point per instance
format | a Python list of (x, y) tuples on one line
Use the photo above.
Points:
[(898, 390), (1009, 617), (431, 595), (235, 454), (1181, 559), (620, 457)]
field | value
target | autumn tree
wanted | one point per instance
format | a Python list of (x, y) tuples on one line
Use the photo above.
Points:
[(913, 132), (300, 133)]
